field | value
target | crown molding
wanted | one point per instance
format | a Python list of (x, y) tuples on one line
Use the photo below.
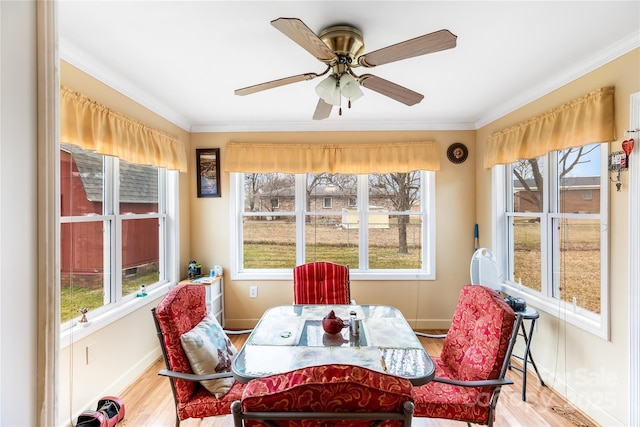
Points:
[(597, 60)]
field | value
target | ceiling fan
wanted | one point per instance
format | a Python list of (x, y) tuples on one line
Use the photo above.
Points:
[(340, 48)]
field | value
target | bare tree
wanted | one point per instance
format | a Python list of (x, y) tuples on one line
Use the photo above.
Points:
[(252, 184), (529, 175), (261, 186), (402, 190)]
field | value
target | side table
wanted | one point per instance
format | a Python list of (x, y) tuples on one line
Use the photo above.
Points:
[(532, 315)]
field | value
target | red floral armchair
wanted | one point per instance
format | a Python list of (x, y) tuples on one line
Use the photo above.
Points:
[(179, 312), (348, 396), (321, 282), (474, 360)]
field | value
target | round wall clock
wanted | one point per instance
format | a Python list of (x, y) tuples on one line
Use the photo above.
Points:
[(457, 152)]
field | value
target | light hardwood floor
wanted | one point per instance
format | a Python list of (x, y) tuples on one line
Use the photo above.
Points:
[(149, 402)]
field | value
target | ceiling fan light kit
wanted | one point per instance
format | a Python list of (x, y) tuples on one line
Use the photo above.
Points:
[(350, 88), (329, 90), (340, 47)]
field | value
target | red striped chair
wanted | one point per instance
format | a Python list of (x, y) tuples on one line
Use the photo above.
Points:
[(474, 359), (321, 282), (326, 395)]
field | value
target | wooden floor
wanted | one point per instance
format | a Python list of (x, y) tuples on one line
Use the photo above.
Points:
[(149, 402)]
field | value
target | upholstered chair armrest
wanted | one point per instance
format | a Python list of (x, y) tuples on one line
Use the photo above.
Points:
[(193, 377), (243, 331), (479, 383), (423, 334)]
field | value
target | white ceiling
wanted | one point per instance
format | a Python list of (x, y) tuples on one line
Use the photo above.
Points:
[(183, 59)]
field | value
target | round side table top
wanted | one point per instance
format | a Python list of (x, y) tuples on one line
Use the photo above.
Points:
[(529, 313)]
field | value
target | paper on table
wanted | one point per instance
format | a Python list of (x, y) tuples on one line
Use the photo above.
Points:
[(277, 330)]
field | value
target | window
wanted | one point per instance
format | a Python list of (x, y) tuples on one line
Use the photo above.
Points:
[(321, 217), (553, 238), (113, 229)]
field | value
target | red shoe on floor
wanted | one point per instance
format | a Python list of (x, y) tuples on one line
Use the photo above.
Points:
[(113, 409), (92, 419)]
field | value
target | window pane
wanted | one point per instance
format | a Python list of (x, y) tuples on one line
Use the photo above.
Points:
[(332, 238), (579, 180), (138, 188), (395, 242), (269, 192), (81, 181), (398, 192), (527, 265), (327, 220), (140, 254), (269, 242), (330, 191), (579, 263), (82, 279), (527, 179)]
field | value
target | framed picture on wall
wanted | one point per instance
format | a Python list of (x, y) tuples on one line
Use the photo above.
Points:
[(208, 170)]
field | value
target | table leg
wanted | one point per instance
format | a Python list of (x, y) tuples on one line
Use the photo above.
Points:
[(527, 357)]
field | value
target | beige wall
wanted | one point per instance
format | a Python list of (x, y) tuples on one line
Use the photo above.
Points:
[(128, 346), (591, 371), (426, 304)]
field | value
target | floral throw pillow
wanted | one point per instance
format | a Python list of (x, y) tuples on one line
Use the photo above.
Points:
[(210, 351)]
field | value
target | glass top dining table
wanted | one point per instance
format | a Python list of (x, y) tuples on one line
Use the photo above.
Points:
[(289, 337)]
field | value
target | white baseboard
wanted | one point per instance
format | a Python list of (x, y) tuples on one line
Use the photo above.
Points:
[(120, 384)]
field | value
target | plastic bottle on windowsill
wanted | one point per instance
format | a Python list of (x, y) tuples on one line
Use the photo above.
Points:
[(143, 291)]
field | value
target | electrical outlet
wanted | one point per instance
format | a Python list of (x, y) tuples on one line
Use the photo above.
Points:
[(253, 292), (90, 353)]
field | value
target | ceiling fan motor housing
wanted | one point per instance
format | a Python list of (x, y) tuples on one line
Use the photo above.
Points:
[(346, 41)]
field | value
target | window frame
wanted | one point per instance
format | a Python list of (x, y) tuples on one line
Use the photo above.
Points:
[(427, 211), (596, 324), (119, 306)]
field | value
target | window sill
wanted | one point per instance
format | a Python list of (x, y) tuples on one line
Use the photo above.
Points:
[(395, 275), (105, 318), (578, 317)]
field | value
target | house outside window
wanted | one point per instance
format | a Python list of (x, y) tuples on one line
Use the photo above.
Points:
[(317, 220), (552, 240), (113, 230)]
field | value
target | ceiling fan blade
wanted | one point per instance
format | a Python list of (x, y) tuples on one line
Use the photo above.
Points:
[(275, 83), (390, 89), (323, 110), (429, 43), (298, 31)]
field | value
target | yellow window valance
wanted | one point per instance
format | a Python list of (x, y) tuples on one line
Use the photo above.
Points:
[(95, 127), (332, 158), (586, 120)]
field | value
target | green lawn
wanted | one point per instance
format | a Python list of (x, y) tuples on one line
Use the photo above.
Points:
[(578, 263), (73, 298), (271, 244)]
